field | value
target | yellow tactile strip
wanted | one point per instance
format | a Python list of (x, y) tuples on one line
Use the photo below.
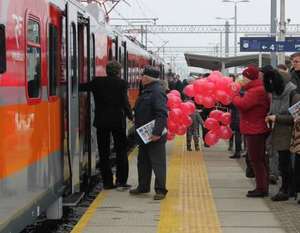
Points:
[(189, 206)]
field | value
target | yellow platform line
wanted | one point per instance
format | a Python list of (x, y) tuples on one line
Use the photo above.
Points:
[(84, 220), (189, 206)]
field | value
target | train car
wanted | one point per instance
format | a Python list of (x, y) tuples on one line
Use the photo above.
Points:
[(48, 151)]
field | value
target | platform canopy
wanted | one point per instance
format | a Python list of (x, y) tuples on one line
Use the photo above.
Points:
[(215, 63)]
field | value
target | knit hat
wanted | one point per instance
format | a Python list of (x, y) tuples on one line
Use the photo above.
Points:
[(151, 72), (251, 72)]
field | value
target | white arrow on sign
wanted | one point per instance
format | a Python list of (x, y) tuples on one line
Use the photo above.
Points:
[(264, 47)]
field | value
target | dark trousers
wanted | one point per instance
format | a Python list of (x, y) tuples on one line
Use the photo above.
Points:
[(237, 137), (256, 151), (120, 145), (297, 173), (152, 156), (285, 168)]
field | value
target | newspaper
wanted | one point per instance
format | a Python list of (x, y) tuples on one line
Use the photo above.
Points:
[(145, 131), (295, 111)]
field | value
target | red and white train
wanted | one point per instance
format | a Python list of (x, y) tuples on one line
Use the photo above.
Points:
[(47, 143)]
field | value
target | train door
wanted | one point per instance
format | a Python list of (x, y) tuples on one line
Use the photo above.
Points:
[(84, 54), (72, 94)]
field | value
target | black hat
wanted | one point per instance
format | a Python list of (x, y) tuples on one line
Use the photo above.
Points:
[(266, 68), (151, 72)]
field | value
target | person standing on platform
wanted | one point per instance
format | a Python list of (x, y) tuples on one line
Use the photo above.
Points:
[(282, 93), (151, 105), (111, 109), (253, 107)]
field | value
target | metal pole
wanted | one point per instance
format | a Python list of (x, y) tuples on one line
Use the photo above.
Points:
[(221, 44), (273, 29), (142, 34), (282, 30), (260, 59), (146, 35), (226, 39), (235, 33)]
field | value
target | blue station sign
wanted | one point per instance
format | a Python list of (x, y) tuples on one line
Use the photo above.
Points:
[(269, 44)]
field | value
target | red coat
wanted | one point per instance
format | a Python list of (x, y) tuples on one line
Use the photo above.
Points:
[(253, 108)]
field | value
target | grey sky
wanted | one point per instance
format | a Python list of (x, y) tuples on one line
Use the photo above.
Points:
[(201, 12)]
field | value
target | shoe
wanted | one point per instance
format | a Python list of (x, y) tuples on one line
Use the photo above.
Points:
[(249, 173), (197, 147), (280, 196), (206, 145), (137, 191), (123, 187), (273, 180), (257, 193), (159, 196), (189, 148), (245, 155), (110, 186), (235, 156), (252, 191)]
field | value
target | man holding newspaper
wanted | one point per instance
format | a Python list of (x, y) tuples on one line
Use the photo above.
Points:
[(150, 123)]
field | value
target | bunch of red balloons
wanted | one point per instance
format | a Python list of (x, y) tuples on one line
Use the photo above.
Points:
[(179, 119), (218, 124), (215, 88)]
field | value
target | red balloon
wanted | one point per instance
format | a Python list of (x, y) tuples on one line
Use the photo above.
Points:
[(175, 92), (199, 86), (225, 132), (192, 107), (209, 87), (211, 124), (226, 118), (211, 138), (199, 99), (186, 121), (189, 90), (234, 88), (214, 76), (223, 97), (208, 102), (170, 136), (216, 114), (185, 108), (181, 130), (172, 126), (174, 114), (169, 95), (173, 102)]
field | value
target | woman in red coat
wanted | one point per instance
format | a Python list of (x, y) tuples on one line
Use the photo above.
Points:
[(253, 107)]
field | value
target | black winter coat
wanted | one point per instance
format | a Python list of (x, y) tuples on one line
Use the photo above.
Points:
[(152, 105), (111, 101)]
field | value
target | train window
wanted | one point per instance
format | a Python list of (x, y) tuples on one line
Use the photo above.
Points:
[(33, 59), (33, 32), (73, 53), (92, 56), (53, 59), (2, 49)]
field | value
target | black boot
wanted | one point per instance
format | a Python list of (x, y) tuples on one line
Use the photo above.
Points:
[(189, 148), (236, 155), (280, 196), (197, 147)]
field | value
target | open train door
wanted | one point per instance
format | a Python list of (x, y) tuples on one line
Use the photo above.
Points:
[(72, 74)]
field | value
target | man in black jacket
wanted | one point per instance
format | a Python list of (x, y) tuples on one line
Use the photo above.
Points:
[(152, 105), (111, 109)]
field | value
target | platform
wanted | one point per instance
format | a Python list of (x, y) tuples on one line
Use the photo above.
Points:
[(206, 195)]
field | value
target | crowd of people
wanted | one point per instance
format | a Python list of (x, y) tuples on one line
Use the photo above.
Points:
[(261, 121)]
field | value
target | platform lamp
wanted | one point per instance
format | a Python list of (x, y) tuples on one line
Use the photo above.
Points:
[(235, 2)]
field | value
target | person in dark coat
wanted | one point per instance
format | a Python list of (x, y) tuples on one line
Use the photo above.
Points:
[(111, 109), (151, 105), (253, 107), (281, 90), (237, 137), (295, 72)]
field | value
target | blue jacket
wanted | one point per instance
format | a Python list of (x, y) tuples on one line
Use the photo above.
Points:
[(152, 105)]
